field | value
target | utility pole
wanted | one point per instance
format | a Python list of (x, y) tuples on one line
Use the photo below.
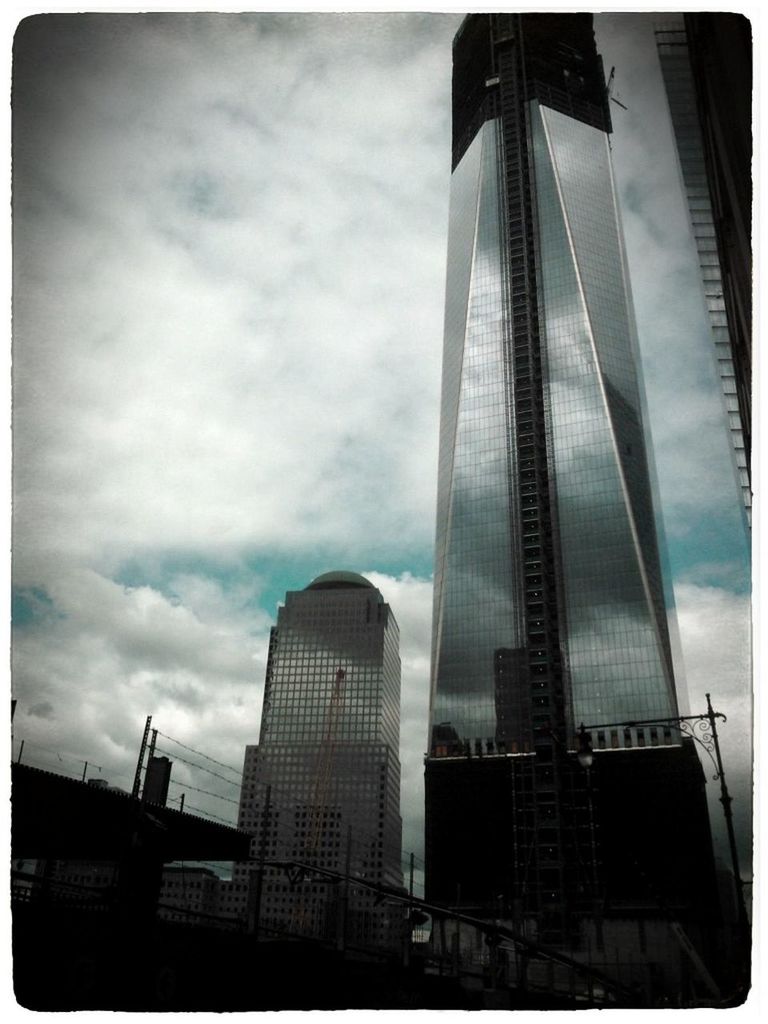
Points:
[(254, 916), (745, 934), (456, 937), (711, 743), (726, 800), (140, 762), (409, 918), (150, 755), (706, 724)]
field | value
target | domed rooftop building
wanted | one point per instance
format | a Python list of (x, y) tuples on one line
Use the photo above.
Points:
[(339, 579), (322, 787)]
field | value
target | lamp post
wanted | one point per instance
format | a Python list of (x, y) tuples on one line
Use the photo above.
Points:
[(703, 729)]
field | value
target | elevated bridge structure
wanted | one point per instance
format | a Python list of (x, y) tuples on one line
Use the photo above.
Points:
[(55, 817)]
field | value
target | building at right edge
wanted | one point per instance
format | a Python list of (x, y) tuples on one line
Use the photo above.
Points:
[(706, 65), (549, 605)]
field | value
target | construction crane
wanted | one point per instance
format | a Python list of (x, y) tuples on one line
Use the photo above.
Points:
[(318, 804), (322, 785)]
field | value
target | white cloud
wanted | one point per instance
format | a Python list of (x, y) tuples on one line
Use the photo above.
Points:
[(106, 656), (224, 267), (228, 302)]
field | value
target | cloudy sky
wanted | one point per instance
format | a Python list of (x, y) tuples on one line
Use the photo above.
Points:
[(229, 260)]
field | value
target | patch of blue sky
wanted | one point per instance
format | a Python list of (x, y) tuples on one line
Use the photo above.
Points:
[(714, 554), (160, 570), (31, 605), (260, 579)]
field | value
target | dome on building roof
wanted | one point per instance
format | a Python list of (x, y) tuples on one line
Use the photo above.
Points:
[(334, 580)]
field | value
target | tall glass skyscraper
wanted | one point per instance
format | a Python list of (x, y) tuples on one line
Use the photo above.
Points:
[(549, 603), (322, 788)]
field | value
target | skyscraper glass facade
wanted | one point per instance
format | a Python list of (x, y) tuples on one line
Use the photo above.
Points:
[(477, 579), (547, 562), (322, 788), (616, 638), (549, 602)]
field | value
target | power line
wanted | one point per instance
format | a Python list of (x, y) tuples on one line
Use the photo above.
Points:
[(205, 813), (284, 831), (68, 772), (283, 794), (45, 767), (201, 754), (178, 757), (206, 792), (69, 757)]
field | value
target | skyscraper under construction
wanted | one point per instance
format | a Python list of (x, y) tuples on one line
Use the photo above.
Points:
[(549, 605)]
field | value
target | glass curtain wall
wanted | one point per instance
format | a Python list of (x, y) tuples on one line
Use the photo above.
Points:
[(613, 615), (616, 636), (477, 610), (323, 786)]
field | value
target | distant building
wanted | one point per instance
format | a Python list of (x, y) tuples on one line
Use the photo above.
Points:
[(157, 781), (81, 881), (322, 788), (189, 895), (706, 64)]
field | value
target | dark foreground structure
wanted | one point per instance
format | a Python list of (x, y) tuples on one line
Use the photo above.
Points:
[(71, 961), (87, 961), (105, 947), (79, 945)]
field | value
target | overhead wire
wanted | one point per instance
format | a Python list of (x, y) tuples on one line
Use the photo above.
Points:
[(283, 831), (88, 764), (206, 792), (200, 767), (200, 753), (205, 813)]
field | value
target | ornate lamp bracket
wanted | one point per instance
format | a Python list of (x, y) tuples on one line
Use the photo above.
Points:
[(701, 729)]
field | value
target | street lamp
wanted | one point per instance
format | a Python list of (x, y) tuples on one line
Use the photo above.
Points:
[(585, 754), (703, 729)]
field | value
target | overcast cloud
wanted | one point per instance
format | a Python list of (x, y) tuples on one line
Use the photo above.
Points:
[(229, 242)]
